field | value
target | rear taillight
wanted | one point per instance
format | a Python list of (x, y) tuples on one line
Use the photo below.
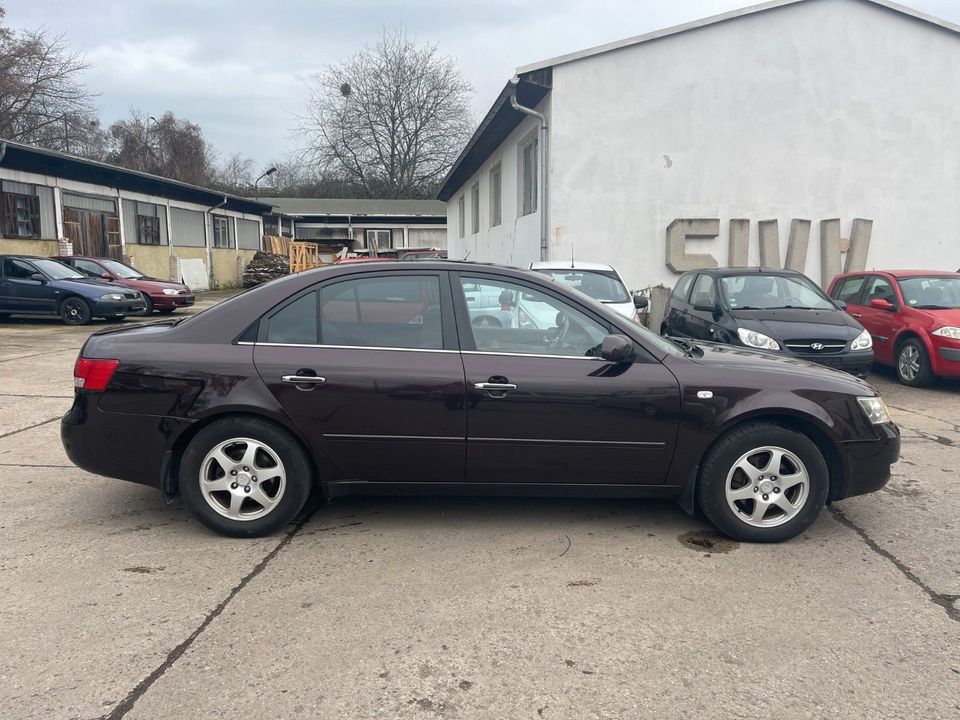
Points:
[(93, 374)]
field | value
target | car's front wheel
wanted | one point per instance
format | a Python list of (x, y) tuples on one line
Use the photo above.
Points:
[(147, 308), (913, 364), (245, 477), (75, 311), (763, 483)]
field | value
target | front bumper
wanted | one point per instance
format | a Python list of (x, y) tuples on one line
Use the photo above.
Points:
[(104, 308), (947, 360), (866, 463), (166, 302), (855, 362)]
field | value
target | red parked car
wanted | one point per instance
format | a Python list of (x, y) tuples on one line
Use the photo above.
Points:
[(164, 296), (913, 316)]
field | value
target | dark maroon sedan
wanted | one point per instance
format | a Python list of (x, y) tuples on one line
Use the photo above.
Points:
[(164, 296), (377, 378)]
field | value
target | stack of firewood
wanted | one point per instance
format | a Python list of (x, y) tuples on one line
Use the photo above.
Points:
[(264, 267)]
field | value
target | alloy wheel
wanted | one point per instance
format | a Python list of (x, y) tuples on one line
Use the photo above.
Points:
[(767, 486), (908, 363), (242, 479)]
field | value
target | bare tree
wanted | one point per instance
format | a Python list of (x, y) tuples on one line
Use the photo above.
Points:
[(42, 100), (236, 175), (169, 146), (390, 120)]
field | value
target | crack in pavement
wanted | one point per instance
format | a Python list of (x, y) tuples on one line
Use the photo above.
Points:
[(126, 705), (929, 436), (24, 395), (36, 466), (956, 428), (29, 427), (52, 352), (947, 602)]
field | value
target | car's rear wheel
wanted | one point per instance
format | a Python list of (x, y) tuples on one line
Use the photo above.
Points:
[(763, 483), (75, 311), (913, 364), (147, 308), (245, 477)]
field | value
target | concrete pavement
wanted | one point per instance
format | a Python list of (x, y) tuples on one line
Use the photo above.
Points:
[(114, 605)]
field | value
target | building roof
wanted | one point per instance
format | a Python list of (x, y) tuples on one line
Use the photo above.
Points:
[(28, 158), (501, 119), (358, 207)]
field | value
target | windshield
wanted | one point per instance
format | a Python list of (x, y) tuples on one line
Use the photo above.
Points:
[(56, 270), (772, 292), (120, 270), (931, 293), (601, 285)]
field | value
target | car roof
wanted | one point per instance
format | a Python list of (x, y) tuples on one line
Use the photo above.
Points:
[(903, 273), (728, 271), (570, 265)]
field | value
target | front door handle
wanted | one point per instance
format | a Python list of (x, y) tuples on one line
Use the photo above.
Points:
[(856, 315), (495, 389)]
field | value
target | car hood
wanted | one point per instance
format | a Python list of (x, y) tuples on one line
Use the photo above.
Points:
[(625, 308), (733, 357), (942, 317), (148, 284), (84, 286), (788, 323)]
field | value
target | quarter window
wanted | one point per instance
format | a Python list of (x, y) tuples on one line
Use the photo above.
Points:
[(387, 312), (509, 318)]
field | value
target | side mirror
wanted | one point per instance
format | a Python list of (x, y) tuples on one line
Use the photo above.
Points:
[(617, 349), (640, 302), (841, 304), (39, 278), (106, 276), (704, 307), (881, 304)]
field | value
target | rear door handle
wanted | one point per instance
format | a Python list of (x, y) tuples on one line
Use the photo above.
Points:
[(303, 382)]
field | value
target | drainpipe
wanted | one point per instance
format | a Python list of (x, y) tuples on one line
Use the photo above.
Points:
[(209, 239), (544, 194), (3, 150)]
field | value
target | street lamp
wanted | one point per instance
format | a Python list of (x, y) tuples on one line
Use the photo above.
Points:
[(269, 172)]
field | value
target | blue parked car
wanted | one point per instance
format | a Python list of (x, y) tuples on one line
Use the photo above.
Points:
[(39, 286)]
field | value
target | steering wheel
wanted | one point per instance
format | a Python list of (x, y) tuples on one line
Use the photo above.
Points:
[(563, 329)]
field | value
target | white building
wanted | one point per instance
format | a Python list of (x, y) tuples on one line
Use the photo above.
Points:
[(819, 134)]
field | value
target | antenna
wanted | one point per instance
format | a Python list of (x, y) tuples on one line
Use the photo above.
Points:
[(571, 255), (466, 256)]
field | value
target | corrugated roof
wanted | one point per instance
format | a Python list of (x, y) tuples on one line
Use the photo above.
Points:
[(357, 207)]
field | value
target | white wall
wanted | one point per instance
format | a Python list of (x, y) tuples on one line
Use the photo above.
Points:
[(516, 241)]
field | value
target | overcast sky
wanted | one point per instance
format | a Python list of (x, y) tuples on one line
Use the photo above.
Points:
[(240, 68)]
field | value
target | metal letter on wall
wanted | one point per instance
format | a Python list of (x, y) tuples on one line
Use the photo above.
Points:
[(738, 243), (859, 245), (829, 251), (797, 245), (677, 233), (769, 244)]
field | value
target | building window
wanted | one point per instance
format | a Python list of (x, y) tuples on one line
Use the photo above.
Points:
[(379, 239), (148, 224), (462, 217), (221, 232), (475, 208), (496, 215), (19, 215), (528, 177)]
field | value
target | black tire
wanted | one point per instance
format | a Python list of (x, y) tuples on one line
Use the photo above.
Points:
[(166, 311), (292, 457), (147, 309), (913, 364), (720, 461), (486, 321), (75, 311)]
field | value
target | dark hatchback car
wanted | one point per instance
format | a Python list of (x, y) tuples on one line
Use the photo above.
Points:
[(371, 378), (164, 296), (40, 286), (778, 311)]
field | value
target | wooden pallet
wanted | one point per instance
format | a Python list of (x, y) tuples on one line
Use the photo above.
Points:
[(276, 244), (303, 256)]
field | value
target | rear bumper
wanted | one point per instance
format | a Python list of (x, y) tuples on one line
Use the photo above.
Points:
[(866, 464), (118, 445), (116, 307)]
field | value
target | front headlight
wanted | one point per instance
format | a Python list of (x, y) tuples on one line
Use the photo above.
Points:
[(863, 341), (753, 339), (875, 409), (948, 332), (170, 291), (112, 296)]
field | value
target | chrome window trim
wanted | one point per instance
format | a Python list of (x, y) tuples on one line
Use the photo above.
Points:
[(533, 355), (348, 347)]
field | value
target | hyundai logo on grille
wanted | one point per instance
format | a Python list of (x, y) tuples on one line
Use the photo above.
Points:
[(816, 346)]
